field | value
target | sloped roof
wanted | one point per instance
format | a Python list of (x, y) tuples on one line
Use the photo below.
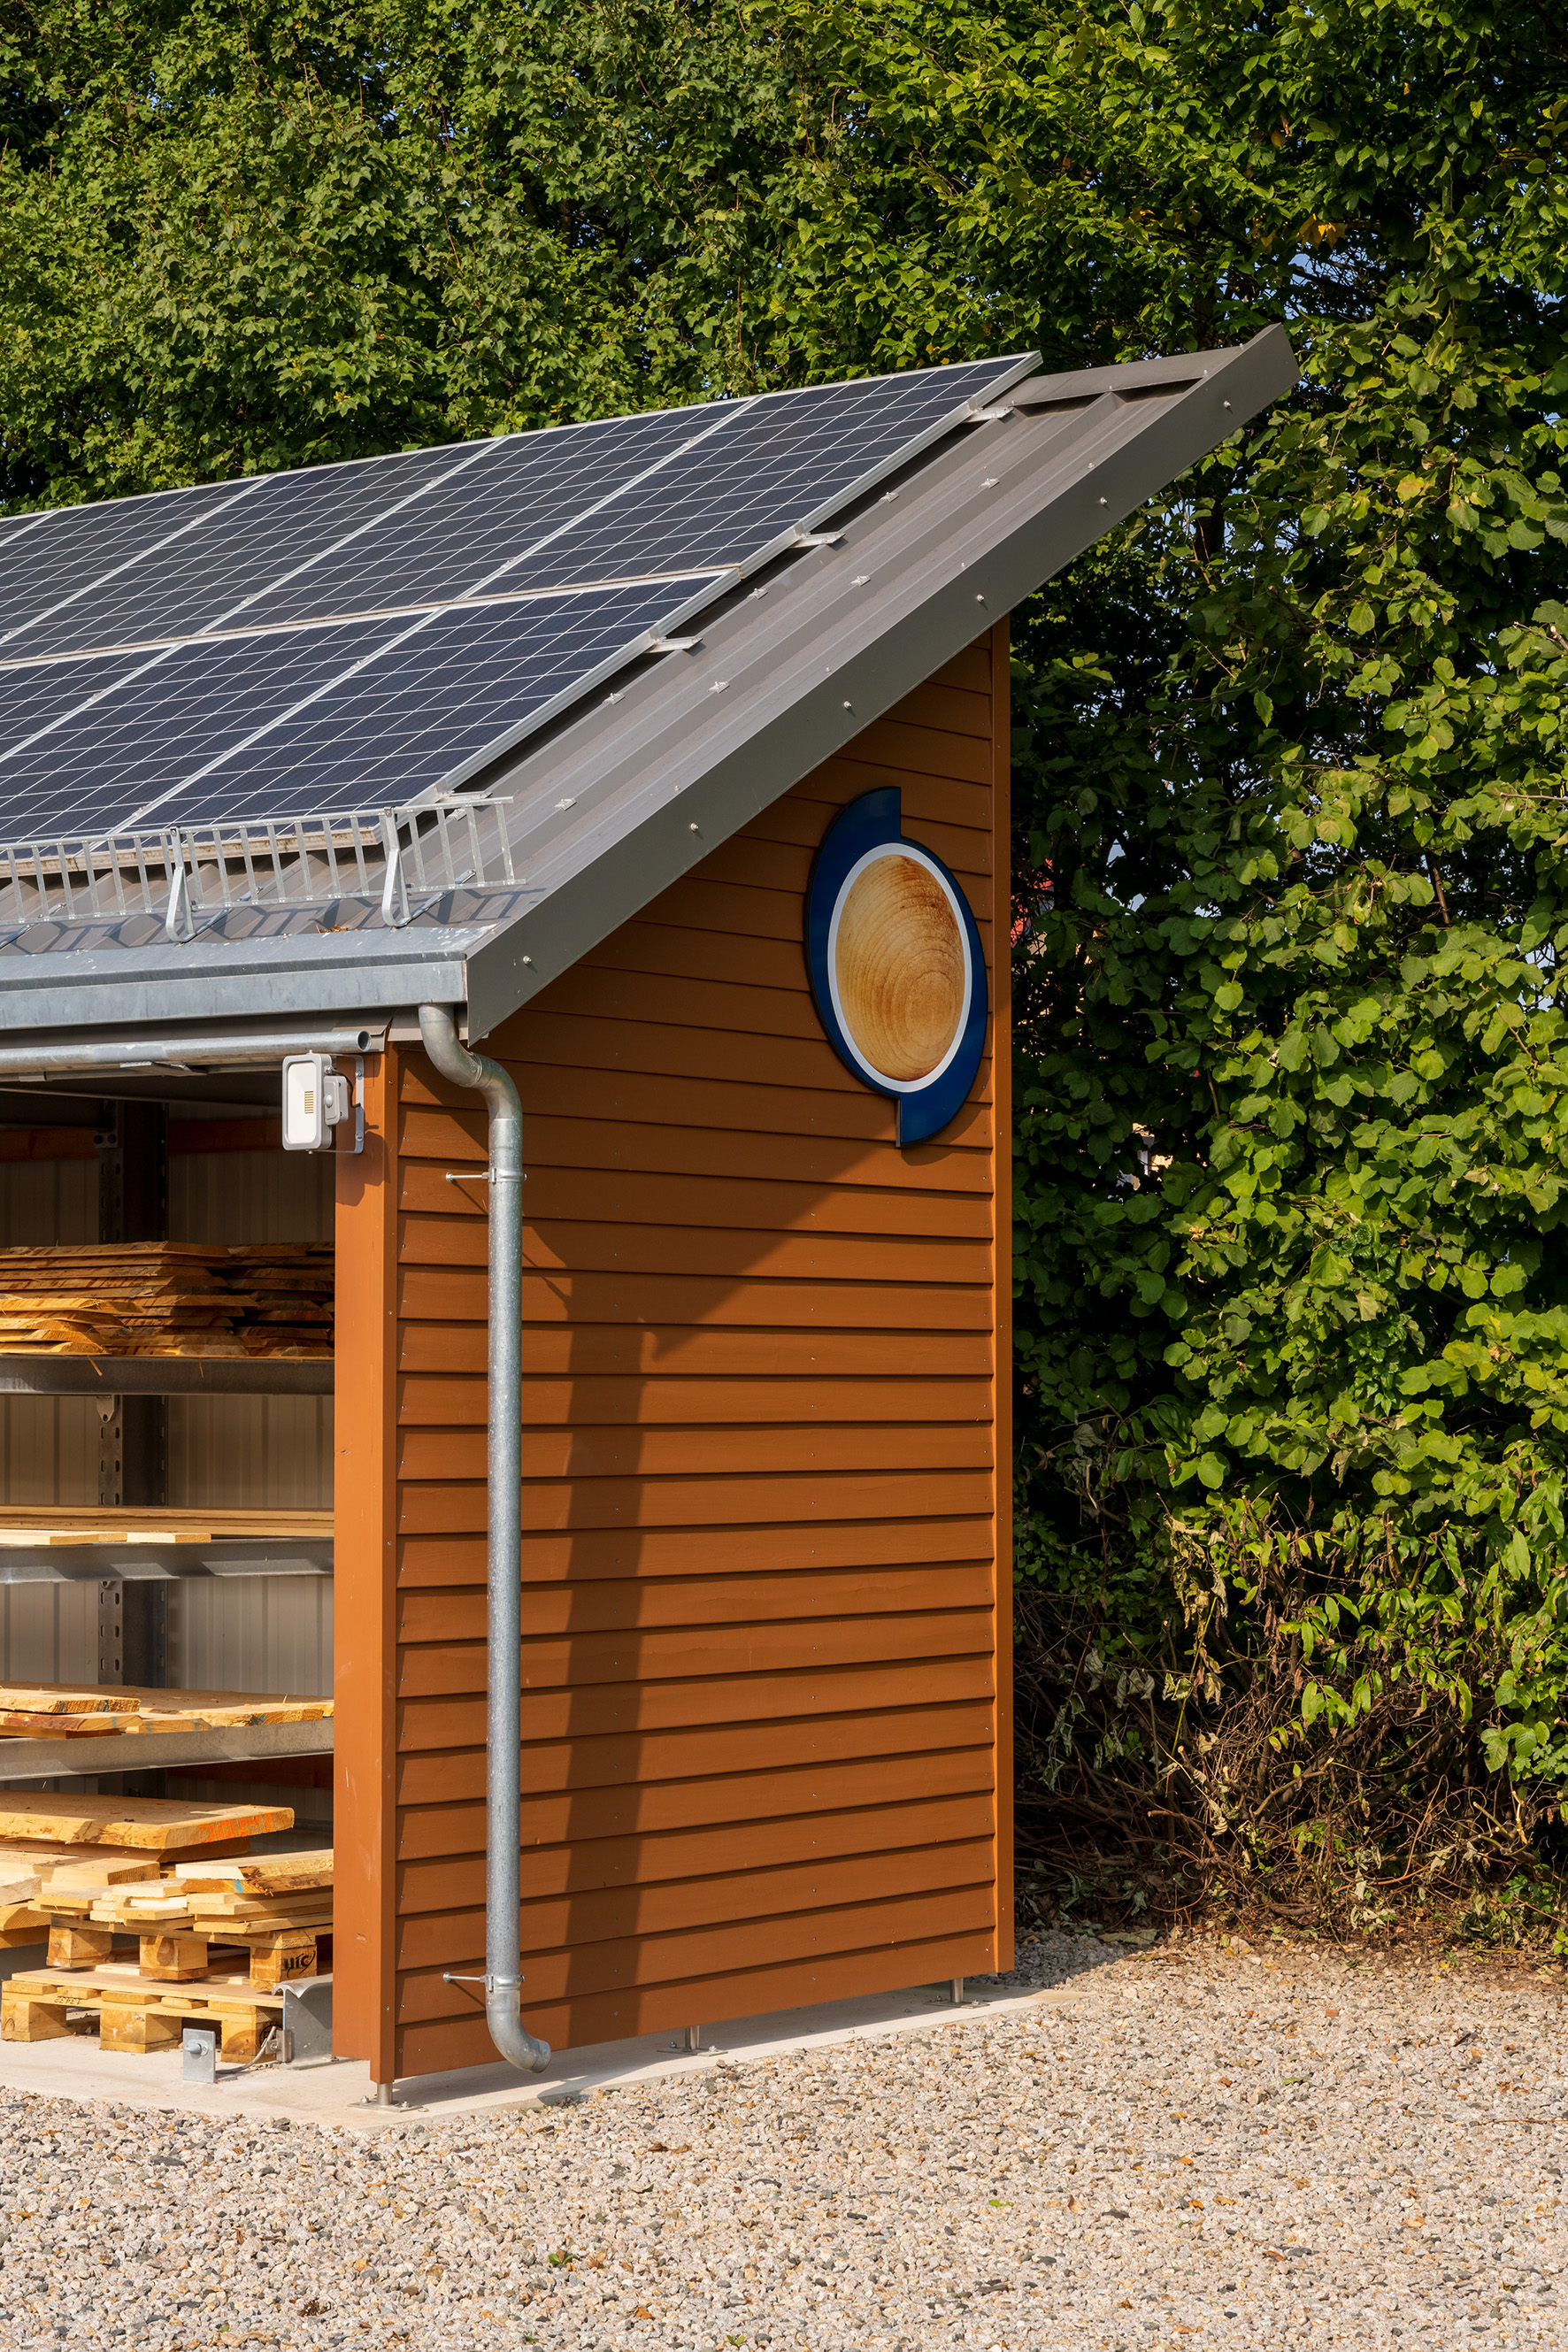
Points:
[(512, 808)]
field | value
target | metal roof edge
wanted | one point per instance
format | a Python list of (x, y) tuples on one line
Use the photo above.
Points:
[(692, 755), (181, 986)]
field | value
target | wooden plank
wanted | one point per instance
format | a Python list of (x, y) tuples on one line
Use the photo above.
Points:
[(929, 802), (646, 1400), (970, 667), (617, 1914), (425, 1294), (583, 1814), (79, 1523), (947, 707), (1001, 1052), (694, 1502), (774, 1449), (458, 1882), (684, 999), (57, 1699), (755, 1204), (590, 1142), (918, 749), (799, 826), (576, 2019), (456, 1346), (841, 1702), (364, 1559), (847, 1118), (443, 1561), (457, 1244), (154, 1824), (749, 1601), (699, 904), (671, 1050), (655, 1654)]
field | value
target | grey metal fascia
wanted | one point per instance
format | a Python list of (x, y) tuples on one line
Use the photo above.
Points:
[(687, 756), (1173, 368), (325, 973)]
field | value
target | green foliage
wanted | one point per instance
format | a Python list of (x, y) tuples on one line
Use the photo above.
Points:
[(233, 237), (1292, 1251)]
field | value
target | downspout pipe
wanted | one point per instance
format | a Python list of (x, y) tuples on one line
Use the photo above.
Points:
[(503, 1550)]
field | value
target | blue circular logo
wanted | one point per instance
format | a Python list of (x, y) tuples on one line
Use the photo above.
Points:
[(896, 965)]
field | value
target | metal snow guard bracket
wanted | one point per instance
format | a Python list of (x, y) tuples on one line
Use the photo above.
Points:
[(179, 874)]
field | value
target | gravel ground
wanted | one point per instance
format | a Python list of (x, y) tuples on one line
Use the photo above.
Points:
[(1207, 2147)]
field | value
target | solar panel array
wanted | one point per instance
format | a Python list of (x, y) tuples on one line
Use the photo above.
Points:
[(366, 634)]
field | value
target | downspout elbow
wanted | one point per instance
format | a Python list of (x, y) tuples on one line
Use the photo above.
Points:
[(503, 1549), (503, 2015)]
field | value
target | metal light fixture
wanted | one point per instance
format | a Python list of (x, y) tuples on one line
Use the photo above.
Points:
[(316, 1100)]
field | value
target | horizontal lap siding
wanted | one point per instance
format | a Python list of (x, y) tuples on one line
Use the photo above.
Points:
[(760, 1468)]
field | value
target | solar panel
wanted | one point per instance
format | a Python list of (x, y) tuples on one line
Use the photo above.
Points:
[(333, 681), (159, 721), (236, 550), (483, 519), (287, 722), (786, 459), (72, 550)]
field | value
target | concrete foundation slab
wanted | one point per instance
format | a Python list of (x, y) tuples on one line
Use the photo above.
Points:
[(338, 2095)]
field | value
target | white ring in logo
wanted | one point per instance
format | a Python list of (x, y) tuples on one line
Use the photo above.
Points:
[(916, 857)]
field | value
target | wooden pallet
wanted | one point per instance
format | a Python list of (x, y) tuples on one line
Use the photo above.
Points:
[(281, 1946), (183, 1953), (134, 2016)]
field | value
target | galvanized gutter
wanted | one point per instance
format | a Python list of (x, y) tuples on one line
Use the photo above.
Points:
[(503, 1549)]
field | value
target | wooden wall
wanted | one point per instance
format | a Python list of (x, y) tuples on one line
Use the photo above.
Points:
[(765, 1466)]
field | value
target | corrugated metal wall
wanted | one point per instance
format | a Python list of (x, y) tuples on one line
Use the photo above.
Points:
[(253, 1633), (48, 1633), (48, 1446), (760, 1499)]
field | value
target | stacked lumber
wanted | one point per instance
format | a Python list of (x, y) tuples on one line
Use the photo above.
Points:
[(167, 1298), (271, 1910), (56, 1711), (288, 1290), (76, 1842)]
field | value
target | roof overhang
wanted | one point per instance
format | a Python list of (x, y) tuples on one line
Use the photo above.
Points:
[(623, 797)]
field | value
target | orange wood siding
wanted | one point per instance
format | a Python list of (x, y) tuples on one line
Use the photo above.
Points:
[(765, 1468), (364, 1664)]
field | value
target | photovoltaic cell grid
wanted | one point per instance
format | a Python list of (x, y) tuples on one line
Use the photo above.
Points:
[(396, 716), (207, 576), (479, 525), (309, 709)]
